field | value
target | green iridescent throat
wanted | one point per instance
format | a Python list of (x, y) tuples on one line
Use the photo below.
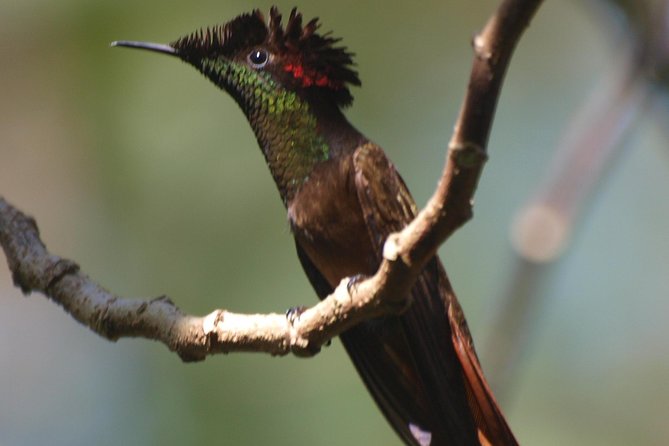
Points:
[(284, 125)]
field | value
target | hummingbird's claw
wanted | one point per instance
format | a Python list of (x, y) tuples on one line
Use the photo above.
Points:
[(353, 282), (293, 313)]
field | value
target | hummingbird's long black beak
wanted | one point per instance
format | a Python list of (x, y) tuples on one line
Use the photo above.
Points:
[(155, 47)]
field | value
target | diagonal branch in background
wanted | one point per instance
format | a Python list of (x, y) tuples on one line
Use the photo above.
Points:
[(544, 226), (405, 253)]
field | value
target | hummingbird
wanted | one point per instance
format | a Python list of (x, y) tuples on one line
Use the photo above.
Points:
[(343, 198)]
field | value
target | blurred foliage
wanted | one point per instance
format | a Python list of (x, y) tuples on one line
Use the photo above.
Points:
[(151, 179)]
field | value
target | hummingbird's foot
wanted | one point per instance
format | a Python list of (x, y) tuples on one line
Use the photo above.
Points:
[(293, 314), (353, 282)]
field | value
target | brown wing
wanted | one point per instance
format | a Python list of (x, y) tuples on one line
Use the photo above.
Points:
[(455, 404), (373, 347)]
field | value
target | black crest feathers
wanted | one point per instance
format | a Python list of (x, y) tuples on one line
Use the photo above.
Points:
[(313, 59), (242, 32)]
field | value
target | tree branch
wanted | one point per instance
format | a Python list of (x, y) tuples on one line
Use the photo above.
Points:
[(35, 269), (405, 253)]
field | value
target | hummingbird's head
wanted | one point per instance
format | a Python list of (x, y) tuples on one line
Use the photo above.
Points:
[(282, 77), (249, 55)]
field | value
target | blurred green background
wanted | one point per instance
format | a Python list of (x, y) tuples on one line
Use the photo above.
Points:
[(151, 179)]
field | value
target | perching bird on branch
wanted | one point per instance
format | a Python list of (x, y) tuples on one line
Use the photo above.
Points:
[(344, 197)]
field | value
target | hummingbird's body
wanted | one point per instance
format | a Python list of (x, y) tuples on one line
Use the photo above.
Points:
[(344, 197)]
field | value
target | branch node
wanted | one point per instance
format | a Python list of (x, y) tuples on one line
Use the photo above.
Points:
[(211, 321), (467, 155), (481, 49), (59, 269), (391, 248)]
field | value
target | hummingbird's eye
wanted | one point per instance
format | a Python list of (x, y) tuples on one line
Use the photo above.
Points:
[(258, 58)]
